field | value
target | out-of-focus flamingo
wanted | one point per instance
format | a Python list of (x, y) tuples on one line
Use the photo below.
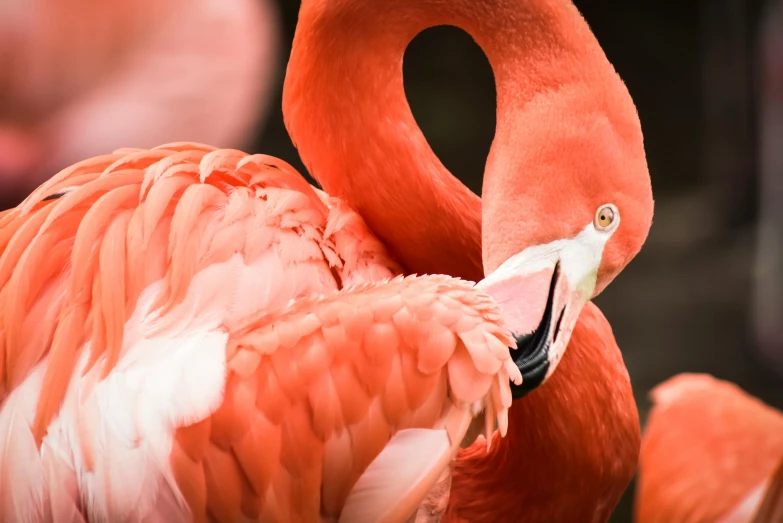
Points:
[(711, 453), (130, 281), (568, 141), (84, 77)]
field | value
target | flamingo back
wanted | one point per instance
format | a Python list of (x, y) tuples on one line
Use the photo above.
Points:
[(193, 334)]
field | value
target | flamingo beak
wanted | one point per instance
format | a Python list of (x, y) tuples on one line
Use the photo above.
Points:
[(541, 298)]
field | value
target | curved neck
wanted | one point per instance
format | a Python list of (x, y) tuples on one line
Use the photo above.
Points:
[(345, 107)]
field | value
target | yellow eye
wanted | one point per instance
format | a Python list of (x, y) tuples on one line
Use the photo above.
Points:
[(606, 217)]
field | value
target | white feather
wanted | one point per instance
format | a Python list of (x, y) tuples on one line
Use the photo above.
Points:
[(746, 509), (171, 373), (22, 492)]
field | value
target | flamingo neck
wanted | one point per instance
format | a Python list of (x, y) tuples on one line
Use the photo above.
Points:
[(346, 110), (345, 107), (557, 462)]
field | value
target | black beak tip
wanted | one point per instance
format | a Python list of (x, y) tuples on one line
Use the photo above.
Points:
[(532, 378), (532, 353)]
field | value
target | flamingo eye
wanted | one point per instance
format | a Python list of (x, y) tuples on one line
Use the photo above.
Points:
[(606, 217)]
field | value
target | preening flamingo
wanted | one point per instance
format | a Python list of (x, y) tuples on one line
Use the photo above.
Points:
[(568, 141), (85, 77), (131, 281), (711, 453)]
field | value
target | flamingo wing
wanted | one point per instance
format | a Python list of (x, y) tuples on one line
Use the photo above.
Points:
[(347, 405), (190, 333), (708, 451)]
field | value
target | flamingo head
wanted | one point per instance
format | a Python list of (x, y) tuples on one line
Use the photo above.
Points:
[(566, 207)]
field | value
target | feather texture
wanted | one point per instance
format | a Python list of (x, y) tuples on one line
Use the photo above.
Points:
[(190, 334)]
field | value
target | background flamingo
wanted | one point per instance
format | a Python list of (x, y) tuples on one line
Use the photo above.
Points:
[(710, 454), (85, 77)]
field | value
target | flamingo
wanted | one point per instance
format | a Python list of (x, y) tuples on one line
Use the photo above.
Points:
[(198, 333), (84, 77), (711, 453), (192, 334), (568, 141)]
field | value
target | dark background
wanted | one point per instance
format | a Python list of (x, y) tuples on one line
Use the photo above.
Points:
[(705, 76)]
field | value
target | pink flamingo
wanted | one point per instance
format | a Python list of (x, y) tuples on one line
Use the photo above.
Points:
[(568, 141), (84, 77), (192, 334), (197, 334), (711, 453)]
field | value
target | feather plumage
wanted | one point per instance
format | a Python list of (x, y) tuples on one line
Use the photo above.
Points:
[(198, 334)]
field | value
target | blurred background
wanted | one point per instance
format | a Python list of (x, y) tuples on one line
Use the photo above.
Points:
[(81, 78)]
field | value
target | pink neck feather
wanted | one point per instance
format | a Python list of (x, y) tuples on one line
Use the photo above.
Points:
[(346, 110)]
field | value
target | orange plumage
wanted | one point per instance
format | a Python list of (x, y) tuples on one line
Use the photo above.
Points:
[(559, 482), (325, 364), (708, 453)]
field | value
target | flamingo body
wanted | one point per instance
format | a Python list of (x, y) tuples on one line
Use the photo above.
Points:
[(190, 334), (708, 454)]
